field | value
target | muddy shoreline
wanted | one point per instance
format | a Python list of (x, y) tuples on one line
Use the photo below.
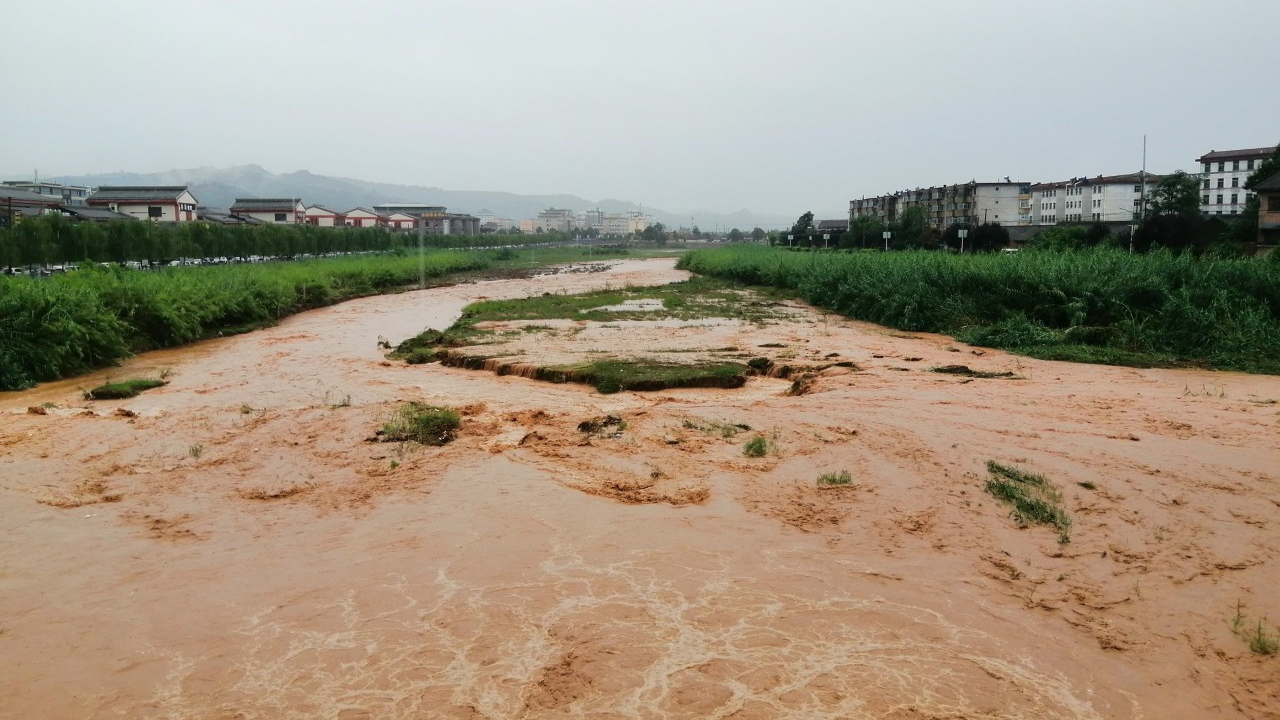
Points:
[(286, 568)]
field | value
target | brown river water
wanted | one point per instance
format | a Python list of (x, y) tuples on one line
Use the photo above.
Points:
[(232, 546)]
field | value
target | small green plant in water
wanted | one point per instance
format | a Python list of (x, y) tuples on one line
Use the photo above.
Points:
[(835, 479), (422, 423), (1261, 640), (1033, 498), (757, 446), (123, 389)]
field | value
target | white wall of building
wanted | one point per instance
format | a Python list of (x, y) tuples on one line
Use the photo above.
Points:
[(1222, 185)]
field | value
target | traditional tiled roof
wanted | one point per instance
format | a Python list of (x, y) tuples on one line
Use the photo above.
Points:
[(1215, 155), (833, 225), (84, 212), (136, 193), (263, 205)]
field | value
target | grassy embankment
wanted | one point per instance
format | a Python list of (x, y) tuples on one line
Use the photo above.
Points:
[(461, 345), (1103, 306), (74, 323)]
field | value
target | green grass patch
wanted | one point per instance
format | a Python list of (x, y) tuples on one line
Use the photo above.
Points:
[(1033, 498), (123, 389), (757, 447), (689, 300), (839, 479), (422, 423), (611, 376)]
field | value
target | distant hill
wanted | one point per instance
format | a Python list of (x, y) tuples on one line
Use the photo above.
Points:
[(219, 187)]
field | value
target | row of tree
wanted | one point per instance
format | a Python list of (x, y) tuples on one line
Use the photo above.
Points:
[(911, 231), (53, 239)]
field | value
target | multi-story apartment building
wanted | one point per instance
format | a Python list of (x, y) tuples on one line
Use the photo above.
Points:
[(972, 203), (627, 223), (555, 220), (1224, 173), (1110, 198)]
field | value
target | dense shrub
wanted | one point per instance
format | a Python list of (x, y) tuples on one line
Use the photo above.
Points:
[(1102, 305), (82, 320)]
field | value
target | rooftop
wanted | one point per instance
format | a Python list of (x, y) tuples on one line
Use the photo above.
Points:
[(1271, 183), (140, 193), (1246, 154), (264, 205)]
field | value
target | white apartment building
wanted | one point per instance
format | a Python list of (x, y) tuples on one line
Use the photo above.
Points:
[(554, 220), (1224, 173), (971, 203), (1111, 198), (627, 223)]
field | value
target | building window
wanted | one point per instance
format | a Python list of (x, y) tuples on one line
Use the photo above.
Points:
[(1273, 203), (1220, 181), (280, 217), (1235, 182), (1204, 200), (1206, 183), (1235, 199), (1222, 166), (1219, 199), (1250, 164), (1235, 166), (155, 211), (1208, 167)]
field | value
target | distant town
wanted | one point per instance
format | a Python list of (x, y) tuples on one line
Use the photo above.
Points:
[(1028, 207)]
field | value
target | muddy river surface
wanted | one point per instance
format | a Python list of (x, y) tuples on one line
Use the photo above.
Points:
[(232, 546)]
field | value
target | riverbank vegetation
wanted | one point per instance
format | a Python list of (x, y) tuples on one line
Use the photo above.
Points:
[(73, 323), (1106, 306)]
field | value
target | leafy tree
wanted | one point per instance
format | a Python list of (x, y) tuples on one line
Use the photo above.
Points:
[(696, 232), (803, 225), (1176, 194), (655, 233), (912, 229), (1264, 170), (989, 236), (758, 234), (864, 231), (735, 235)]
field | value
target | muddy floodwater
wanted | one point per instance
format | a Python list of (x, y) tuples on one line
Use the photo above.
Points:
[(232, 545)]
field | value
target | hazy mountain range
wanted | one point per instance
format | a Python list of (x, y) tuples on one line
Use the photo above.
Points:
[(219, 187)]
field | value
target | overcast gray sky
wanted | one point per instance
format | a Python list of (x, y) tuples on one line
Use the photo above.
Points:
[(696, 104)]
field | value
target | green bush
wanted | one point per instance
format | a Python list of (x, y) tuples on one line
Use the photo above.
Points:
[(422, 423), (83, 320), (1101, 305)]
